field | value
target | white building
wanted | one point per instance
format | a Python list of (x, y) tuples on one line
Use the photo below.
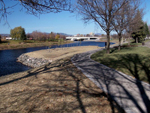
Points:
[(8, 38)]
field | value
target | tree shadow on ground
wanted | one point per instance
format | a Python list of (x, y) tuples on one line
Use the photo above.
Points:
[(6, 41), (57, 87), (136, 65)]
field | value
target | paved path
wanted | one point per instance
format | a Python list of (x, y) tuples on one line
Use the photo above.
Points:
[(132, 95), (147, 44)]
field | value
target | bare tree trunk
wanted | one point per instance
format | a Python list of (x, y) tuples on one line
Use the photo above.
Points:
[(136, 39), (108, 43), (129, 41), (119, 46)]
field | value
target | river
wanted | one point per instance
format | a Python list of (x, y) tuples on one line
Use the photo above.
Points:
[(8, 64)]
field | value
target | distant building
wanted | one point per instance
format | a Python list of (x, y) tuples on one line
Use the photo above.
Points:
[(91, 34), (8, 38)]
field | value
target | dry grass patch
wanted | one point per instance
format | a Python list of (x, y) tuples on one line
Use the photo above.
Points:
[(59, 53), (55, 88)]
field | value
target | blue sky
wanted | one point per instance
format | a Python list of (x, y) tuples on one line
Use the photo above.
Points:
[(64, 22)]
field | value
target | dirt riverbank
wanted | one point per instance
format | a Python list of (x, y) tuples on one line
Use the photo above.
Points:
[(59, 53), (58, 87)]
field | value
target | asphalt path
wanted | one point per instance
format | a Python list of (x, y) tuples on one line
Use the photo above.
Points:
[(132, 95)]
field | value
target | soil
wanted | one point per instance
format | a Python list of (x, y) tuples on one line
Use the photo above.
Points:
[(59, 53), (58, 87)]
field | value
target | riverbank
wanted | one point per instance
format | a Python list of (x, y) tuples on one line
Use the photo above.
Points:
[(6, 45), (56, 87), (42, 57), (32, 61)]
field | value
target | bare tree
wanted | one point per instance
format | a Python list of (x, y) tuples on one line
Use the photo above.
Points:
[(4, 10), (45, 6), (3, 13), (35, 6), (125, 18), (102, 12), (52, 35), (114, 36)]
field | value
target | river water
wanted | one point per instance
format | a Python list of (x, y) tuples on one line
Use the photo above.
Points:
[(8, 64)]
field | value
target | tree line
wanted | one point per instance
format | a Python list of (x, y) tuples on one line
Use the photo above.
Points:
[(18, 33), (139, 35), (41, 36)]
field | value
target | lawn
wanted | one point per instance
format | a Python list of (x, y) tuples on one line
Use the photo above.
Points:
[(134, 61)]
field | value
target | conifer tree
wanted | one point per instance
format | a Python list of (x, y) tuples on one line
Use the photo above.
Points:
[(146, 30), (23, 35), (139, 34)]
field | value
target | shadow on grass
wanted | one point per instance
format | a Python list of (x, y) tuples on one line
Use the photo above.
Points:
[(129, 93), (43, 96), (136, 65), (133, 64)]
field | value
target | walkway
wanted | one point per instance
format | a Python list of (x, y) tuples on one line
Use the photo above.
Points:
[(147, 44), (133, 96)]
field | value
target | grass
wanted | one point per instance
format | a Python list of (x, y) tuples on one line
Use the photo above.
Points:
[(134, 61), (58, 87)]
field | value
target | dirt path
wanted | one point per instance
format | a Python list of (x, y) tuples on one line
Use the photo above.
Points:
[(147, 44)]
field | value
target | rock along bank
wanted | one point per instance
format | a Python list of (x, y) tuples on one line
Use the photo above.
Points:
[(32, 62)]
